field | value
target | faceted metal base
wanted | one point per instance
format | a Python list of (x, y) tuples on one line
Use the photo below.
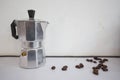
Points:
[(32, 58)]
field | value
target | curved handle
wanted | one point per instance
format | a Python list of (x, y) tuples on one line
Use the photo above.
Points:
[(13, 30)]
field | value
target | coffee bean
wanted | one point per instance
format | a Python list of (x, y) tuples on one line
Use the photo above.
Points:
[(104, 66), (100, 61), (53, 67), (94, 68), (104, 69), (78, 66), (64, 68), (94, 62), (99, 66), (95, 71), (81, 65), (89, 60), (105, 60)]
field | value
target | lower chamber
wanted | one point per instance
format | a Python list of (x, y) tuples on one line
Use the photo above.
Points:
[(32, 58)]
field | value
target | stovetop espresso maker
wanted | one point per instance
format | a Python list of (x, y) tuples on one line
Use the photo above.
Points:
[(31, 33)]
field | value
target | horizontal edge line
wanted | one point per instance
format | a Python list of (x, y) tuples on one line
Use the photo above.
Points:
[(9, 55), (80, 56), (63, 56)]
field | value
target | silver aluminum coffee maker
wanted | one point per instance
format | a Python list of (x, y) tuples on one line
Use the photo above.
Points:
[(31, 33)]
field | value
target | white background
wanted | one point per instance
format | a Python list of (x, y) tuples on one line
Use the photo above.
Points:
[(77, 27)]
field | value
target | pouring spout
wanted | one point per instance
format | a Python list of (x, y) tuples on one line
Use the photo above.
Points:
[(44, 25)]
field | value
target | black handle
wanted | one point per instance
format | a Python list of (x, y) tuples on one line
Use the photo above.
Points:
[(31, 13), (13, 30)]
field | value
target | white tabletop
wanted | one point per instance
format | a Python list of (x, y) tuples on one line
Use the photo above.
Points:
[(10, 70)]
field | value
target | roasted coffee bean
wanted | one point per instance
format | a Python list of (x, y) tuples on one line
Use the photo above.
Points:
[(64, 68), (53, 67), (97, 58), (95, 71), (94, 62), (104, 69), (87, 60), (78, 66), (94, 68), (91, 60), (105, 60), (101, 61), (81, 65), (99, 66), (104, 66)]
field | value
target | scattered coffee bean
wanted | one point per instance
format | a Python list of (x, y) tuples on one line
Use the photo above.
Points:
[(105, 60), (101, 61), (99, 66), (94, 68), (77, 66), (64, 68), (104, 66), (94, 62), (104, 69), (53, 67), (95, 71), (81, 65), (89, 60)]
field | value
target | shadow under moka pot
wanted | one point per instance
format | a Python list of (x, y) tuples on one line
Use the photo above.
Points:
[(31, 33)]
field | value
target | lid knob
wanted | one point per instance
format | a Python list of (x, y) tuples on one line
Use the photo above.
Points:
[(31, 13)]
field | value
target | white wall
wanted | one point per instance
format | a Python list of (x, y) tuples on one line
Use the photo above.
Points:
[(77, 27)]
